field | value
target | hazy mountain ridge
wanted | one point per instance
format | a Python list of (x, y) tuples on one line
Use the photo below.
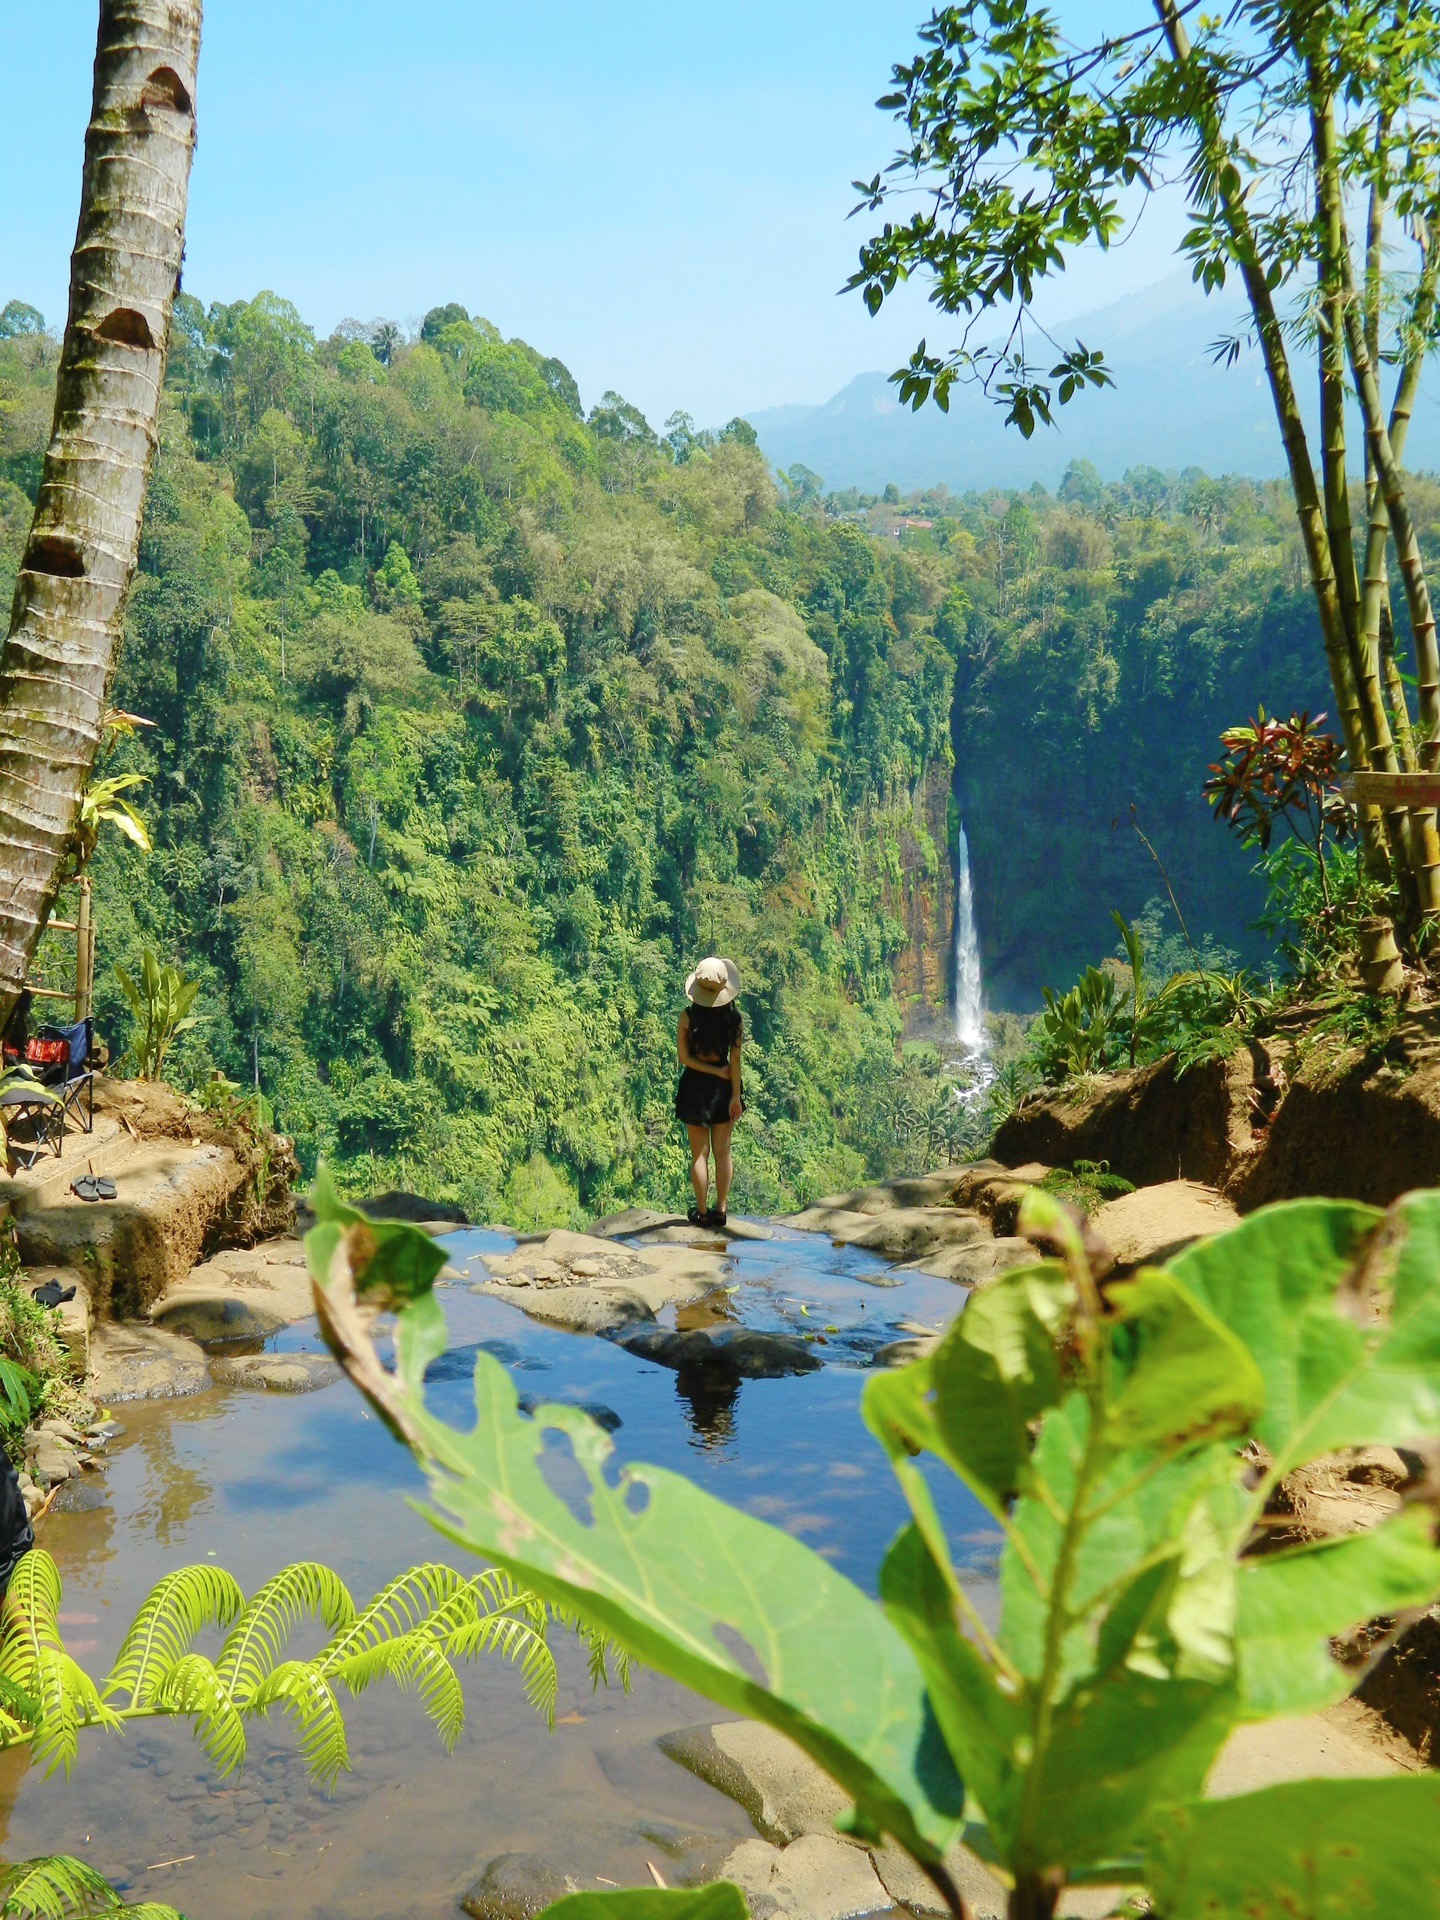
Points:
[(1171, 407)]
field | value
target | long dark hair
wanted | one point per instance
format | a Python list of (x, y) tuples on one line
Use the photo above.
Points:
[(713, 1030)]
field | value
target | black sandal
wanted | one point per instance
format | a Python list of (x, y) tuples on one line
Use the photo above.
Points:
[(93, 1186), (697, 1218), (716, 1217)]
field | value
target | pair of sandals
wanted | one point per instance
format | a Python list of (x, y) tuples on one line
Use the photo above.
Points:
[(93, 1186), (711, 1217)]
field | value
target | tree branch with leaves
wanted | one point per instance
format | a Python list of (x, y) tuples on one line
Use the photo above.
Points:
[(1304, 137)]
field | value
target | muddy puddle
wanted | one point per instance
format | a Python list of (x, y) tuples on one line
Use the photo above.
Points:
[(256, 1480)]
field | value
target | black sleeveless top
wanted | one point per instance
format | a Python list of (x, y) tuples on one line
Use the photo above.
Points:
[(713, 1031)]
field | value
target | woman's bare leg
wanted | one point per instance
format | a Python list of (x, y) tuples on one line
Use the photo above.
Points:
[(724, 1166), (700, 1164)]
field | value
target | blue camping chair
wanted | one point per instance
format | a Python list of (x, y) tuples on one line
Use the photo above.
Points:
[(72, 1078)]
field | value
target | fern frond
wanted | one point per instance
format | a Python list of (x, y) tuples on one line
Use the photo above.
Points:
[(297, 1685), (19, 1711), (33, 1658), (55, 1887), (601, 1652), (192, 1686), (516, 1640), (182, 1605), (397, 1610), (415, 1661), (258, 1638)]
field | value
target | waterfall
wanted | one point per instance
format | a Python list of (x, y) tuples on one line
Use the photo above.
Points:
[(969, 996)]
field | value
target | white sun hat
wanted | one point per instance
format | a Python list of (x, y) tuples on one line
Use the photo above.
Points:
[(714, 983)]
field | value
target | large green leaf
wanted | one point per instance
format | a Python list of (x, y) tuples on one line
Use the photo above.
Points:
[(984, 1725), (740, 1611), (719, 1901), (995, 1372), (1117, 1749), (1317, 1850), (1184, 1375), (1136, 1507), (1344, 1327), (1293, 1604)]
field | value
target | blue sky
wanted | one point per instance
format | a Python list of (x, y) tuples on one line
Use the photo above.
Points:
[(657, 193)]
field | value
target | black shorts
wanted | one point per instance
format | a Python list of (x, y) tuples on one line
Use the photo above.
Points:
[(702, 1099)]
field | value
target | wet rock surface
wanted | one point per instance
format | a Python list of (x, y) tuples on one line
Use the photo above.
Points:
[(594, 1285), (244, 1293), (515, 1886), (800, 1869), (133, 1361), (276, 1372), (741, 1353), (651, 1228)]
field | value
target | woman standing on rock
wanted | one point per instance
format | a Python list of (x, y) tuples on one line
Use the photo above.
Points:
[(708, 1097)]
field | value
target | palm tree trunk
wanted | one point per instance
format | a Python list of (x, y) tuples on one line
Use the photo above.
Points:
[(69, 609)]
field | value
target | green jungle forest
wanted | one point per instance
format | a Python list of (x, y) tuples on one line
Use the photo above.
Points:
[(476, 717)]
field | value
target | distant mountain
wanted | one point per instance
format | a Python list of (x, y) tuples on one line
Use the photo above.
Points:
[(1171, 407)]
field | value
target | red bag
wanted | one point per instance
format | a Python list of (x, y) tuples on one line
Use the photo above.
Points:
[(46, 1053)]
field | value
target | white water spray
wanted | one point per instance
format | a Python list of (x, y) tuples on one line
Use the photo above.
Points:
[(969, 994)]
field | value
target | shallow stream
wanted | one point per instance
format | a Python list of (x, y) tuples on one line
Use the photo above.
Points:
[(255, 1480)]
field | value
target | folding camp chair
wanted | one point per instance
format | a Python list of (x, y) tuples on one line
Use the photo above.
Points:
[(34, 1120), (72, 1076)]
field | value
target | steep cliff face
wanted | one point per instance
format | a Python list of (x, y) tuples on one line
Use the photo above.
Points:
[(922, 899)]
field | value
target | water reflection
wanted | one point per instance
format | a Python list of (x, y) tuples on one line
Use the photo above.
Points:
[(709, 1400), (251, 1480)]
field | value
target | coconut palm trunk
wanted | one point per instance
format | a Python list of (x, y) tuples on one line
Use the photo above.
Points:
[(69, 610)]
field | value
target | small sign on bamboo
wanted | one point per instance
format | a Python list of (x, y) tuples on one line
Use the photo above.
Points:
[(1393, 789)]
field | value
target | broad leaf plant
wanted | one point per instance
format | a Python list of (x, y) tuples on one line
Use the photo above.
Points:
[(1127, 1436)]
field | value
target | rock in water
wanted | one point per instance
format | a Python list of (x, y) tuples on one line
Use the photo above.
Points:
[(276, 1372), (781, 1789), (137, 1362), (414, 1207), (216, 1317), (817, 1877), (515, 1886), (741, 1353), (79, 1496)]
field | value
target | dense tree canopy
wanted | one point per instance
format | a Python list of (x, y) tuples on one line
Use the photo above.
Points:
[(476, 722)]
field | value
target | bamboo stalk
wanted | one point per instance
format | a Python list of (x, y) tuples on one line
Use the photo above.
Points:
[(1308, 510), (1415, 879)]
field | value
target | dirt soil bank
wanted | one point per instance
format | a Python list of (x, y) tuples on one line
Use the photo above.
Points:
[(1280, 1119)]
